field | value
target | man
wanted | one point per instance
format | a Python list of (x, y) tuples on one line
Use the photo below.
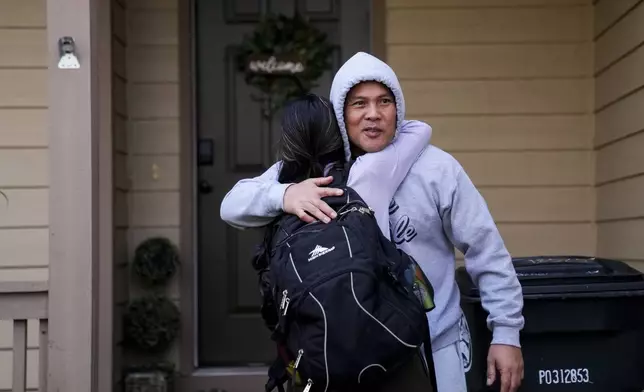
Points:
[(435, 209)]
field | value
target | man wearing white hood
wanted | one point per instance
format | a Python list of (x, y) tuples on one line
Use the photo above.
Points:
[(435, 209)]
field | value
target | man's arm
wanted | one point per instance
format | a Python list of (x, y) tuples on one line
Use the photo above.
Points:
[(472, 230), (254, 202), (376, 176)]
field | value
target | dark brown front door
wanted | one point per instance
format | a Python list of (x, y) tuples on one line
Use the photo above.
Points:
[(231, 126)]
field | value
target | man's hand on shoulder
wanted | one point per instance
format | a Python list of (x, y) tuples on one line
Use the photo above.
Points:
[(508, 360), (306, 198)]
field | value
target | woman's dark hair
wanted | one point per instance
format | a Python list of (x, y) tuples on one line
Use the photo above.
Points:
[(310, 139)]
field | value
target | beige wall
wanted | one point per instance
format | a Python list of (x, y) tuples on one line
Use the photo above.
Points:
[(619, 139), (23, 140), (507, 86), (153, 127), (24, 175)]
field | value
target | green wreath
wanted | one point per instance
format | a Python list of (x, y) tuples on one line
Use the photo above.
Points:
[(285, 37)]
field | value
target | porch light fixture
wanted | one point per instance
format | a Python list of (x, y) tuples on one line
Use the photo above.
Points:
[(66, 50)]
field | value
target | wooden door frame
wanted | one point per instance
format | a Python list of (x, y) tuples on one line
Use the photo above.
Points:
[(193, 378), (80, 303)]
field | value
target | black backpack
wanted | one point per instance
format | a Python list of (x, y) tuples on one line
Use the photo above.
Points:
[(345, 306)]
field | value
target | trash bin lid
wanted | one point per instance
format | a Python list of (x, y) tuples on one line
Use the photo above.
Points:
[(567, 275)]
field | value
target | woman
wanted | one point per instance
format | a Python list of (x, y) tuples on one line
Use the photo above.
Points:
[(310, 144)]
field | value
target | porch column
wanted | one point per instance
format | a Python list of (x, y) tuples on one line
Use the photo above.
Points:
[(80, 200)]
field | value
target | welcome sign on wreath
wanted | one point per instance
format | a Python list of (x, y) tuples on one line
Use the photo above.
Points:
[(283, 58), (272, 65)]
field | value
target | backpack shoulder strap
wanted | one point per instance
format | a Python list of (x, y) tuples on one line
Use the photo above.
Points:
[(260, 259), (281, 227), (340, 173)]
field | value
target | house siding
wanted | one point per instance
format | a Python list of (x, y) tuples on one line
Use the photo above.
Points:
[(619, 139), (24, 175), (23, 141), (507, 86), (153, 130)]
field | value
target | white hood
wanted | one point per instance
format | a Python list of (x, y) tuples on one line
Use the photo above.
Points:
[(360, 68)]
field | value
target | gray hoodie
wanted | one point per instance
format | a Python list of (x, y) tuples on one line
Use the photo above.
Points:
[(435, 209)]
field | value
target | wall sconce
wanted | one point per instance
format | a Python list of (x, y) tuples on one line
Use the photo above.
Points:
[(66, 50)]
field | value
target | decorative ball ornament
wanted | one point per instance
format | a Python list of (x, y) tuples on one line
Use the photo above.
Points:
[(151, 323), (155, 261), (283, 58)]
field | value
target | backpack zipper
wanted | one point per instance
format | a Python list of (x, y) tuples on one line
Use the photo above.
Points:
[(300, 353), (363, 210), (308, 386), (350, 207), (285, 302)]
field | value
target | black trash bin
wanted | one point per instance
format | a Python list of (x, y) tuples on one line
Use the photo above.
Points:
[(584, 326)]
